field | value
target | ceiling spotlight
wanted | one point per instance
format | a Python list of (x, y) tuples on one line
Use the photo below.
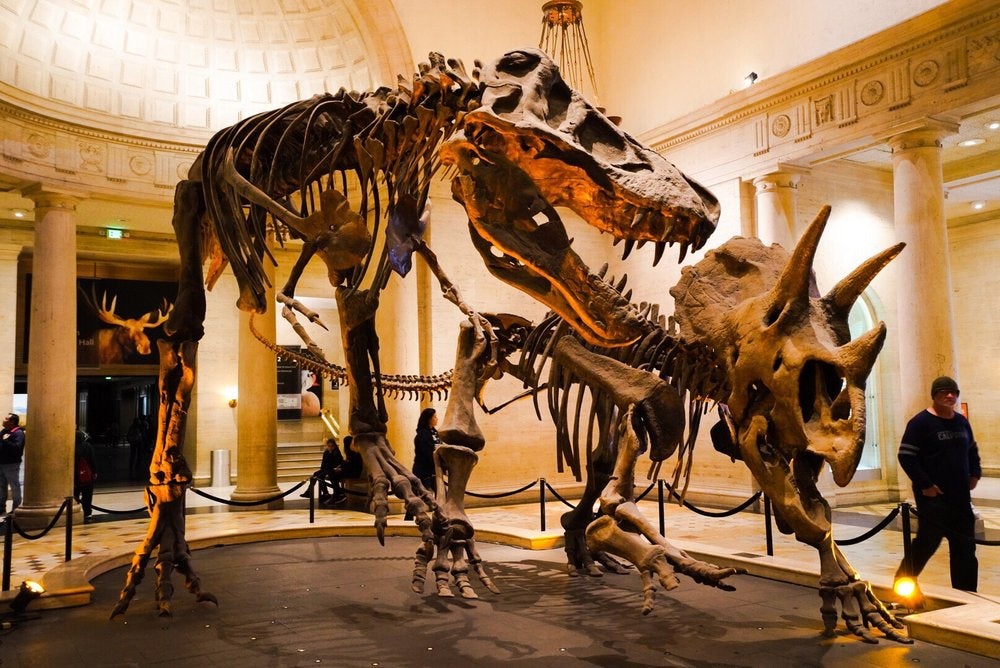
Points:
[(972, 142), (978, 204), (19, 213), (750, 79), (993, 125)]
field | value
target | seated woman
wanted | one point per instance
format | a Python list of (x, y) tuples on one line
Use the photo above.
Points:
[(333, 469)]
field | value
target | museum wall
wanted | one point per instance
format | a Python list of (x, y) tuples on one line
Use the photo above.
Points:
[(670, 58), (975, 253), (657, 60)]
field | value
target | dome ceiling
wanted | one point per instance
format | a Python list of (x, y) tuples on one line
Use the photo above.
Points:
[(156, 67)]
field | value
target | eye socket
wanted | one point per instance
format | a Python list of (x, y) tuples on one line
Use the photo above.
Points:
[(772, 315), (518, 63)]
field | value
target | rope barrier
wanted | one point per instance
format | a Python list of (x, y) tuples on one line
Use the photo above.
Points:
[(871, 532), (500, 495), (559, 497), (11, 525), (244, 504), (648, 490), (111, 511), (27, 536), (708, 513), (949, 530)]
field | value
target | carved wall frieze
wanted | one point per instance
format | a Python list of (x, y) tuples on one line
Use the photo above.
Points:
[(931, 70), (34, 147), (872, 93)]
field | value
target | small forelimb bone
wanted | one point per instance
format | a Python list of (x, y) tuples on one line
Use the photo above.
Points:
[(290, 306)]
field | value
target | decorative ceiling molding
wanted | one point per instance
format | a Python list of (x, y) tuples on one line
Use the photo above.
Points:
[(940, 64)]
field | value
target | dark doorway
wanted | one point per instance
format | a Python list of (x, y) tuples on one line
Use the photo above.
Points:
[(118, 413)]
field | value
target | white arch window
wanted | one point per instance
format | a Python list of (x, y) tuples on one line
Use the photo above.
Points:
[(860, 320)]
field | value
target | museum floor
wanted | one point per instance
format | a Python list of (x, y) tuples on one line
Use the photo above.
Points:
[(296, 597)]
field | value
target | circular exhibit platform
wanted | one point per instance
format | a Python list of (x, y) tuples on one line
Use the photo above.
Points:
[(348, 602)]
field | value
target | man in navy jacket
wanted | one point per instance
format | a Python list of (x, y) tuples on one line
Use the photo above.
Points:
[(939, 453)]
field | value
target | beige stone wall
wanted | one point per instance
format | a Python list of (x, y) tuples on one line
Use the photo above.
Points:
[(975, 256)]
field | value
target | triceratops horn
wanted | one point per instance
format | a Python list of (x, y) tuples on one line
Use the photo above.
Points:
[(858, 356), (794, 282), (843, 295)]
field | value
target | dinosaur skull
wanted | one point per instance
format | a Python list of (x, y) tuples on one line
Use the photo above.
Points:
[(787, 352), (535, 144)]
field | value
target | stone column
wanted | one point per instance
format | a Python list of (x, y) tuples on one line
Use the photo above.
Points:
[(926, 328), (8, 335), (776, 199), (51, 423), (397, 321), (257, 409)]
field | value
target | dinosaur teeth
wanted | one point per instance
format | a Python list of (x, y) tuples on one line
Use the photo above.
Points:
[(660, 247), (640, 215), (629, 244)]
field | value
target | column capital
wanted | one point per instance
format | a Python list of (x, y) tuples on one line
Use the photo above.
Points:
[(10, 252), (777, 175), (923, 133), (49, 197)]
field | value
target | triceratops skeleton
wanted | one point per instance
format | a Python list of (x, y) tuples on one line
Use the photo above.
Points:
[(348, 174)]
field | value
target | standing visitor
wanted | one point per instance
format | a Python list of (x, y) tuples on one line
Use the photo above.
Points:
[(136, 438), (84, 473), (939, 454), (11, 453), (424, 444)]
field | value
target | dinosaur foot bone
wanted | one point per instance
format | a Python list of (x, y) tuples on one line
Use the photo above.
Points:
[(861, 609), (605, 535)]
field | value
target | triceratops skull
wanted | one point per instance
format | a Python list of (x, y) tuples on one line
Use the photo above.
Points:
[(535, 144), (786, 351)]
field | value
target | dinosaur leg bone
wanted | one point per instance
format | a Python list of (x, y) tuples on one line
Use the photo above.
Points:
[(459, 426), (455, 541), (626, 532), (367, 415), (793, 493)]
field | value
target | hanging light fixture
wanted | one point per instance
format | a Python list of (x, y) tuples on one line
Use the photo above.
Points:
[(565, 40)]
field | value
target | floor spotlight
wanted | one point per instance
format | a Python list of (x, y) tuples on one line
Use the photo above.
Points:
[(28, 592), (909, 593)]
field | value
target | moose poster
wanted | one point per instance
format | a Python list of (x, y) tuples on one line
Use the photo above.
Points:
[(119, 321)]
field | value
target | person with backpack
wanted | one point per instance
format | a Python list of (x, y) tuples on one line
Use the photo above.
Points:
[(84, 473), (11, 454)]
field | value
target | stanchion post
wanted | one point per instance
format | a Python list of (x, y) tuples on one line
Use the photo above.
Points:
[(8, 546), (541, 501), (769, 538), (312, 506), (907, 542), (68, 507), (659, 496)]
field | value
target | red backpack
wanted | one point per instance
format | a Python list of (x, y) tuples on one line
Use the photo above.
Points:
[(84, 472)]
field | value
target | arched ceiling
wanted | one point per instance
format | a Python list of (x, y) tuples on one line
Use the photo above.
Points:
[(163, 68)]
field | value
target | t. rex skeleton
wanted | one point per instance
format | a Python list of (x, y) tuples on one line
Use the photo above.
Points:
[(348, 174)]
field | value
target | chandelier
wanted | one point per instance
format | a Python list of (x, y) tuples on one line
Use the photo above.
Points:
[(565, 40)]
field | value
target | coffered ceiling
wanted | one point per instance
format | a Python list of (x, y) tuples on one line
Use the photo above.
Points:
[(157, 67)]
